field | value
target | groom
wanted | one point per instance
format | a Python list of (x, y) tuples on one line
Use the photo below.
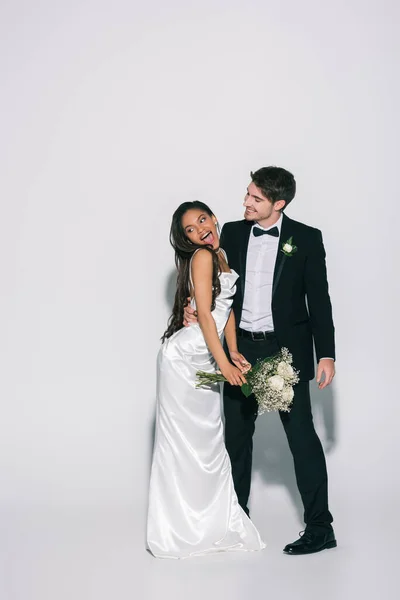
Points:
[(282, 300)]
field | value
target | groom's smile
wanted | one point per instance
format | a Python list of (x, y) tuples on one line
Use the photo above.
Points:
[(259, 208)]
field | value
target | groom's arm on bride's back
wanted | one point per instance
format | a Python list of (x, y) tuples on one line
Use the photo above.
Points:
[(318, 299), (189, 314)]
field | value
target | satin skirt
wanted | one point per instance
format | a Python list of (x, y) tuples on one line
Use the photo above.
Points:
[(193, 507)]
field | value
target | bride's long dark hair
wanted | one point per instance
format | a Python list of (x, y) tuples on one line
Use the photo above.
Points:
[(184, 250)]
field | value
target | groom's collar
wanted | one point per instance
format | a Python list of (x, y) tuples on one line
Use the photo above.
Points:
[(278, 224)]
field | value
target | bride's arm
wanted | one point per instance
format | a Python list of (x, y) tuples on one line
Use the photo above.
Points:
[(202, 270), (231, 341), (230, 333)]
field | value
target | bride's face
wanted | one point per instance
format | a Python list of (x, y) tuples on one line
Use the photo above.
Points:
[(200, 228)]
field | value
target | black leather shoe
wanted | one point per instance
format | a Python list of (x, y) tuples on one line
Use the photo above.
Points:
[(311, 541)]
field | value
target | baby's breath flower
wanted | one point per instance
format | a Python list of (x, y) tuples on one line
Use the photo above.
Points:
[(287, 394)]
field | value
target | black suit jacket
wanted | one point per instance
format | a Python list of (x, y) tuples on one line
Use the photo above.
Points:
[(301, 307)]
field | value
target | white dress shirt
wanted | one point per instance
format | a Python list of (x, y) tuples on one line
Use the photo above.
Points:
[(260, 265), (261, 258)]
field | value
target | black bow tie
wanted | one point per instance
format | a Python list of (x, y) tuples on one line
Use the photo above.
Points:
[(274, 231)]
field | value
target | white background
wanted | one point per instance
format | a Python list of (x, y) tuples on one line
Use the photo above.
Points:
[(112, 114)]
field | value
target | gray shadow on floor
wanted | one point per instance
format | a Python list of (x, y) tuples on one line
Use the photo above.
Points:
[(272, 459)]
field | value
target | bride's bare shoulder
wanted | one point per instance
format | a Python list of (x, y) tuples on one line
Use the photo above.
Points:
[(202, 257)]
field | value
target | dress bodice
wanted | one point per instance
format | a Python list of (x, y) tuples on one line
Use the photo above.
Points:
[(224, 300)]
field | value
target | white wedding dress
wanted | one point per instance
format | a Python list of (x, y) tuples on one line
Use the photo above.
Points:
[(193, 508)]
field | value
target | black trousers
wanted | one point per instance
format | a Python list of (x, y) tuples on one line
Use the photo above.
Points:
[(306, 448)]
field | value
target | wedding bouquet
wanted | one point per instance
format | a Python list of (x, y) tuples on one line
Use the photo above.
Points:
[(271, 380)]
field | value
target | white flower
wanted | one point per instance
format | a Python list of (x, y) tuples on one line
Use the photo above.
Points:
[(287, 394), (284, 370), (276, 382), (287, 248)]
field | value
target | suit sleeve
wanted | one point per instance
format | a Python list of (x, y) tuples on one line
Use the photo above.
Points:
[(222, 237), (319, 303)]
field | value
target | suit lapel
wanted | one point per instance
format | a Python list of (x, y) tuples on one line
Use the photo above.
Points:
[(281, 257), (244, 243)]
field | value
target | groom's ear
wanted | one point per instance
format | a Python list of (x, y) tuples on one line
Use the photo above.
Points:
[(279, 204)]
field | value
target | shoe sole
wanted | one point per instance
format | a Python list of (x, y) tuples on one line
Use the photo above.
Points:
[(327, 546)]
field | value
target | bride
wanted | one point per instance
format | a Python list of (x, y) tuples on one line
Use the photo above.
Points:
[(193, 508)]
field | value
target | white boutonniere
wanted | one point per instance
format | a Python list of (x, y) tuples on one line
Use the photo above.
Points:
[(288, 248)]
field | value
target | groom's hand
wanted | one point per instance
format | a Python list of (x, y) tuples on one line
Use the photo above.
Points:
[(325, 372), (189, 315), (240, 362)]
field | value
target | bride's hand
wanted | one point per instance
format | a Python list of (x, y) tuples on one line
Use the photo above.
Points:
[(240, 362), (233, 374)]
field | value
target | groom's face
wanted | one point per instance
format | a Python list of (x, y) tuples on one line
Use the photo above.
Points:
[(258, 207)]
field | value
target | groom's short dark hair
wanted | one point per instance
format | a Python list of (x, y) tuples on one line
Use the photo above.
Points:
[(275, 183)]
